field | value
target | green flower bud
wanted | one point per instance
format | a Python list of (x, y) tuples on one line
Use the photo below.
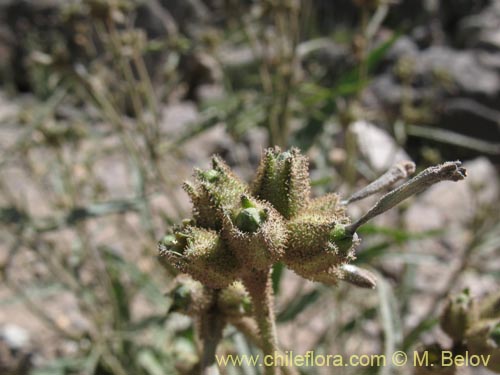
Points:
[(234, 300), (256, 234), (283, 180), (455, 318), (189, 296), (249, 218), (484, 339), (342, 238), (210, 176), (203, 255), (168, 241)]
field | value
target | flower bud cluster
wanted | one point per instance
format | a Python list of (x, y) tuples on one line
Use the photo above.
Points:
[(190, 297), (239, 229), (475, 325)]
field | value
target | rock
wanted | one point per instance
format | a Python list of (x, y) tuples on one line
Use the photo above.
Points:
[(177, 118), (452, 12), (461, 68), (384, 93), (15, 336), (453, 205), (377, 146), (335, 58), (404, 46), (448, 88), (481, 30), (15, 355), (480, 188)]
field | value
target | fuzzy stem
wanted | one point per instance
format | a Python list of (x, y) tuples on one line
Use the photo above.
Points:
[(248, 327), (259, 286), (211, 326)]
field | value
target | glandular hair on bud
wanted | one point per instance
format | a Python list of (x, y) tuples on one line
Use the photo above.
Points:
[(202, 254), (283, 180), (189, 296), (234, 300)]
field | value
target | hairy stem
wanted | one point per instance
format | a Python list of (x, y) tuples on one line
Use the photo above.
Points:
[(211, 326), (249, 328), (259, 285)]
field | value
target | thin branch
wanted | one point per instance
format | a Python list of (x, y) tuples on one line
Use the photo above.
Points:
[(453, 138), (259, 286)]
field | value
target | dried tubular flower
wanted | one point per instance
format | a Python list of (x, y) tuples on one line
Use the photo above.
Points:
[(255, 233), (202, 254), (455, 318), (283, 180), (396, 173), (451, 171)]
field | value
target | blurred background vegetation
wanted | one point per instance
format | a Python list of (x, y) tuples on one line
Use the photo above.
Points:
[(106, 105)]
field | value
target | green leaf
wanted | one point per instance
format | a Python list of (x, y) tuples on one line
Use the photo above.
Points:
[(350, 82), (141, 279), (298, 305), (149, 362), (60, 366), (398, 235), (276, 277), (366, 314), (372, 252), (391, 321), (412, 336)]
